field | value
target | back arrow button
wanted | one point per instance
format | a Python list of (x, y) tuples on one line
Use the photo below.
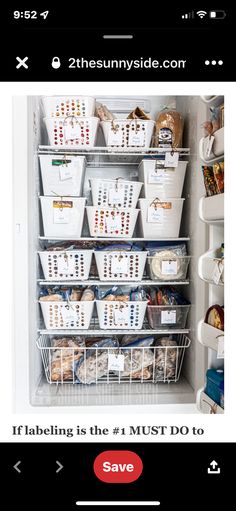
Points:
[(16, 467), (60, 467)]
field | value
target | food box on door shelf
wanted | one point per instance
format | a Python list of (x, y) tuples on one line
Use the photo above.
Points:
[(160, 181), (78, 132), (111, 222), (160, 218), (115, 192), (62, 175), (62, 217), (128, 133), (63, 106)]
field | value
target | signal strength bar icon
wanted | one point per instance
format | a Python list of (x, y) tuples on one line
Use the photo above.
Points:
[(188, 15)]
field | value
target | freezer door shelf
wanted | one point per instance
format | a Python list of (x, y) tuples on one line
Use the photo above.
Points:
[(209, 336), (206, 405), (211, 209)]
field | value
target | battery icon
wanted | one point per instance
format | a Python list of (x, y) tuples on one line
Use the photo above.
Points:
[(217, 15)]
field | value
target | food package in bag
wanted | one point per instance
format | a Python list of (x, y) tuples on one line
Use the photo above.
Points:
[(169, 129)]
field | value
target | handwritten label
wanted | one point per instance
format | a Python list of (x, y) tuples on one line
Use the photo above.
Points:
[(116, 362), (65, 264), (168, 317), (116, 197), (72, 131), (121, 316), (69, 314), (113, 223), (115, 137), (169, 267), (156, 176), (66, 172), (119, 264), (61, 215), (136, 139), (171, 159), (155, 215)]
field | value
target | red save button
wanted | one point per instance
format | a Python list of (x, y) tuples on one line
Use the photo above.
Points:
[(118, 466)]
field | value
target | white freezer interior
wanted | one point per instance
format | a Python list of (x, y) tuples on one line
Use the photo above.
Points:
[(31, 388)]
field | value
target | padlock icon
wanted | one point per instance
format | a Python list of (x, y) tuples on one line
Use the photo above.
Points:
[(56, 63)]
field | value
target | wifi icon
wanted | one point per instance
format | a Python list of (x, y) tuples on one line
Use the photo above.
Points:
[(201, 14)]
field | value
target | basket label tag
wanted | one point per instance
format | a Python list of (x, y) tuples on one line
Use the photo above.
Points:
[(114, 137), (121, 316), (72, 131), (169, 267), (66, 172), (113, 223), (116, 197), (171, 159), (119, 264), (69, 314), (61, 212), (65, 264), (221, 347), (155, 215), (168, 317), (156, 176), (136, 139), (116, 362)]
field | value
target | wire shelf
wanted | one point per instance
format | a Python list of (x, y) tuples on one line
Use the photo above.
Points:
[(105, 365)]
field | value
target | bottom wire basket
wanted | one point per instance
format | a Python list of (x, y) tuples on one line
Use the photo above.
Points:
[(65, 361)]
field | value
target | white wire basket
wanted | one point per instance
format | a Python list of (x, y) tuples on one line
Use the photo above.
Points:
[(162, 268), (62, 106), (62, 175), (112, 365), (67, 315), (111, 222), (121, 315), (115, 192), (120, 265), (132, 134), (77, 132), (167, 316), (160, 218), (160, 181), (66, 265), (63, 217)]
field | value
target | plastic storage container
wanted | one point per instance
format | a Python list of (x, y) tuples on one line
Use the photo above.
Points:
[(62, 175), (159, 219), (121, 315), (63, 217), (72, 131), (66, 265), (120, 266), (167, 316), (215, 384), (63, 315), (115, 192), (111, 222), (62, 106), (128, 133), (160, 181), (211, 209), (163, 269)]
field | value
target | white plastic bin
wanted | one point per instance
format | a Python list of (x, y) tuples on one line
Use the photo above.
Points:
[(63, 315), (121, 315), (63, 217), (211, 267), (62, 106), (115, 192), (128, 133), (120, 265), (62, 175), (160, 181), (167, 316), (211, 209), (66, 265), (72, 131), (111, 222), (160, 219)]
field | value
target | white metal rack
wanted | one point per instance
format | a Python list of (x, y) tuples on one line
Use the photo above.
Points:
[(211, 212)]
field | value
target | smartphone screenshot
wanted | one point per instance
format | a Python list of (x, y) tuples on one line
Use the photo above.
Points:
[(116, 384)]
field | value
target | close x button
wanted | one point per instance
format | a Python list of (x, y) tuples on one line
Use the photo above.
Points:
[(118, 466)]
